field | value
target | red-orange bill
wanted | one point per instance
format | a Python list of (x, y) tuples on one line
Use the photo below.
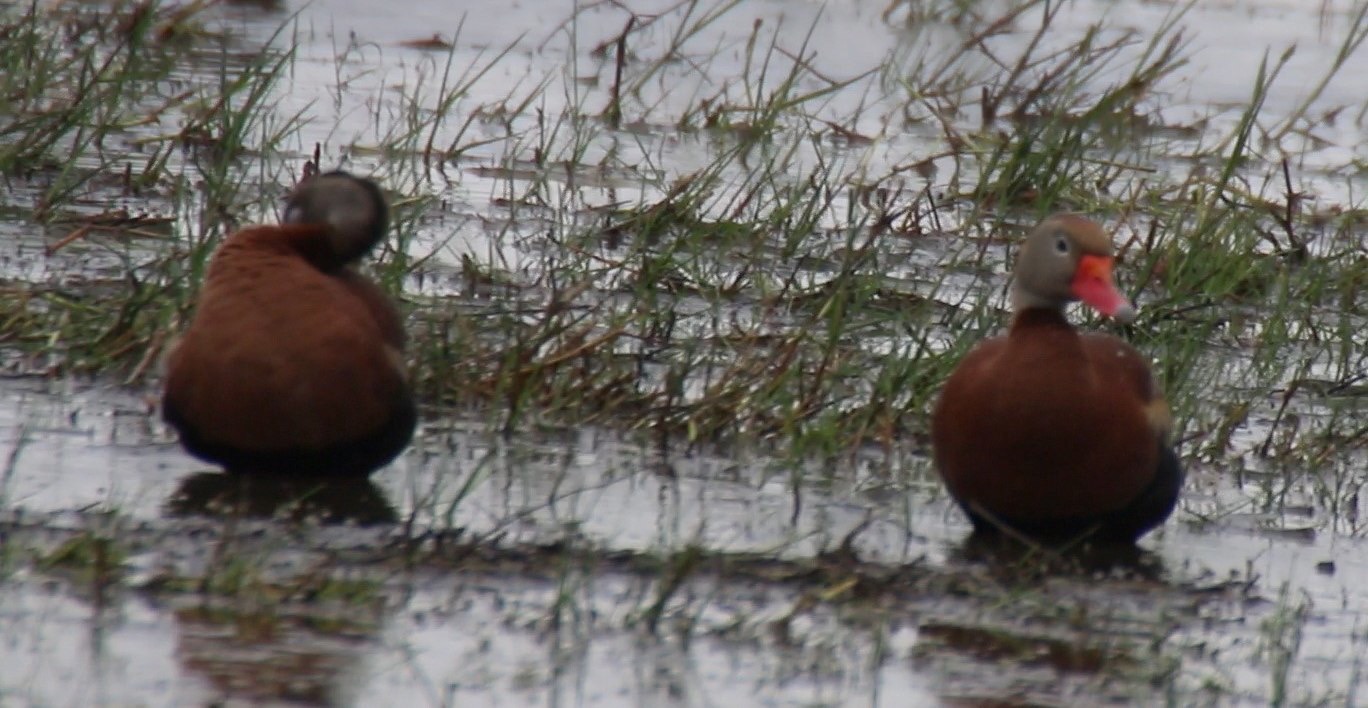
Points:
[(1093, 284)]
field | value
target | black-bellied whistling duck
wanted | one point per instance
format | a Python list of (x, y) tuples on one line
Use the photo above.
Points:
[(293, 363), (1054, 434)]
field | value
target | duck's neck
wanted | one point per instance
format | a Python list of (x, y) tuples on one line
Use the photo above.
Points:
[(312, 242), (1040, 317), (1023, 300)]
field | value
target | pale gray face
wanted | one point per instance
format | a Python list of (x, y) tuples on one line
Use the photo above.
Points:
[(1047, 263), (353, 207), (1049, 260)]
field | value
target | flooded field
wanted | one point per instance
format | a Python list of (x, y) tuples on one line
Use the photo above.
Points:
[(682, 280)]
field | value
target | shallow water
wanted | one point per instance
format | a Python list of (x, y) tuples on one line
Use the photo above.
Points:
[(551, 631), (1254, 591)]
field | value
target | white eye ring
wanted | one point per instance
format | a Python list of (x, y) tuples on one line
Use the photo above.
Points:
[(1061, 245)]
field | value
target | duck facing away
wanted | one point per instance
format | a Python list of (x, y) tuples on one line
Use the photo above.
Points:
[(293, 363), (1054, 434)]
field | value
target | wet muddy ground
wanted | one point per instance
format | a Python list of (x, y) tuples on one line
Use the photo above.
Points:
[(606, 564)]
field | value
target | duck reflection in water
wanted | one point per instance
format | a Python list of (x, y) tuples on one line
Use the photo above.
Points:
[(355, 500)]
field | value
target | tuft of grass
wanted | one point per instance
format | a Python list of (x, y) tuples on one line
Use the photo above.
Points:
[(93, 559), (1281, 634)]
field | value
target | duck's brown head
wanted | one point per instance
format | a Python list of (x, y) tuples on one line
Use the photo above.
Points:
[(353, 206), (1066, 258)]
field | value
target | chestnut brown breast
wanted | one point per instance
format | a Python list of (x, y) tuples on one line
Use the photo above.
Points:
[(1045, 425), (288, 368), (1053, 433)]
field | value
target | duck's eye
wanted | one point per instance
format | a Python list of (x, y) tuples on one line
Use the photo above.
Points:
[(1061, 244)]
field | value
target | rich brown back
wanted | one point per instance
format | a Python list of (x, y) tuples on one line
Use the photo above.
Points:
[(283, 356)]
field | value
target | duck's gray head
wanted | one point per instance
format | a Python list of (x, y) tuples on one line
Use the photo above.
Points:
[(353, 207)]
